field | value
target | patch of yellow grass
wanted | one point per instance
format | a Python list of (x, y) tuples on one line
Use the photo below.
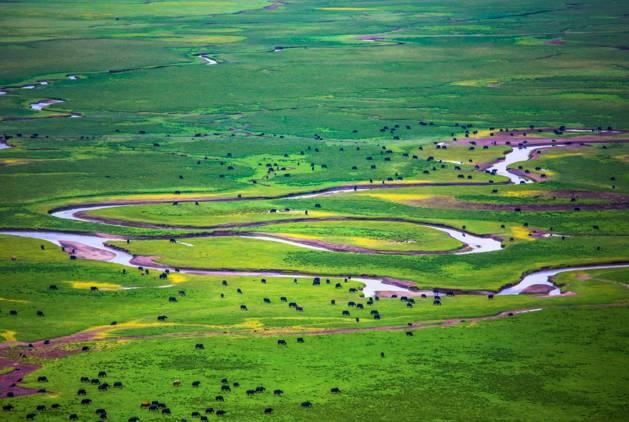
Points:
[(250, 323), (14, 161), (367, 242), (177, 278), (89, 284), (8, 335), (482, 133), (301, 236), (624, 157), (524, 193), (127, 325), (520, 232)]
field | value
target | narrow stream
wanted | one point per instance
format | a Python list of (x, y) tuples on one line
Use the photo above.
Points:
[(372, 285), (476, 244), (516, 155), (40, 105)]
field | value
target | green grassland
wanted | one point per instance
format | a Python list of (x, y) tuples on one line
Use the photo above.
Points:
[(478, 369), (309, 95)]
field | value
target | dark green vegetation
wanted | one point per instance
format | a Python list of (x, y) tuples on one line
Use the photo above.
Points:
[(309, 95)]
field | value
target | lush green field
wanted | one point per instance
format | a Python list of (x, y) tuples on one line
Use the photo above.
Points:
[(395, 101)]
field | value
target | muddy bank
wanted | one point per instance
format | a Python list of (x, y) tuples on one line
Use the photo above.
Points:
[(9, 382), (529, 137), (373, 283), (86, 246), (82, 251), (64, 211), (322, 245), (19, 355), (472, 243), (542, 280), (480, 206)]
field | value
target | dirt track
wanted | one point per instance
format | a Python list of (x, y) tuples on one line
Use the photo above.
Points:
[(18, 354)]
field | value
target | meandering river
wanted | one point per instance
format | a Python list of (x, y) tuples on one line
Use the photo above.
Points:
[(474, 243)]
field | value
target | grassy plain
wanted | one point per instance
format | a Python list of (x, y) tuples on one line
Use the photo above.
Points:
[(307, 95)]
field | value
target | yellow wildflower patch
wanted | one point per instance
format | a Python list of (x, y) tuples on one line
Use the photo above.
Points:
[(8, 335), (14, 161), (106, 329), (524, 193), (367, 242), (90, 284), (300, 235), (250, 323), (520, 232), (177, 278)]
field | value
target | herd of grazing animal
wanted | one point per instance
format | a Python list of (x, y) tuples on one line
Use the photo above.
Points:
[(225, 388)]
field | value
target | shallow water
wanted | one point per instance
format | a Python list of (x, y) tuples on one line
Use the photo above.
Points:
[(515, 156), (543, 277), (123, 258), (372, 285), (207, 60), (40, 105), (97, 242), (477, 244)]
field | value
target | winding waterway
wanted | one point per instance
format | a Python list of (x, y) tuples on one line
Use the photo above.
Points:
[(516, 155), (474, 243)]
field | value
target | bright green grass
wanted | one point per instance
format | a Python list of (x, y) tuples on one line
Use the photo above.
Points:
[(475, 271), (26, 282), (472, 367), (370, 235)]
